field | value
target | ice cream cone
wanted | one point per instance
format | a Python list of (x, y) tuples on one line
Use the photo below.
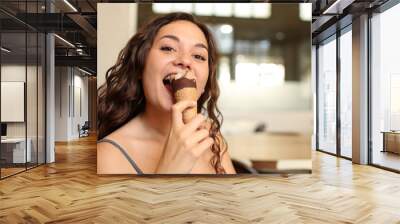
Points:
[(184, 88)]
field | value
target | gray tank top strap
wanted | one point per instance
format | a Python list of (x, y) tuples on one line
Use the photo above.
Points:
[(123, 151)]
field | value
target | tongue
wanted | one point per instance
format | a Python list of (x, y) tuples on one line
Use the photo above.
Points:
[(168, 87)]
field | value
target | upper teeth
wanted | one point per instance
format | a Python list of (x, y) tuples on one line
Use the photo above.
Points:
[(169, 76)]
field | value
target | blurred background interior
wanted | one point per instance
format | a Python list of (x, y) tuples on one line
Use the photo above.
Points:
[(264, 75)]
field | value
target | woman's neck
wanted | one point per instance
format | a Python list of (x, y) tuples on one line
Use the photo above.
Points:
[(157, 122)]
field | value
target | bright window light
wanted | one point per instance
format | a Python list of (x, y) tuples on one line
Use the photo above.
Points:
[(265, 74), (183, 7), (246, 74), (226, 29), (305, 11), (395, 94), (271, 74), (243, 10), (162, 7), (261, 10), (264, 45), (223, 9), (203, 9), (224, 73)]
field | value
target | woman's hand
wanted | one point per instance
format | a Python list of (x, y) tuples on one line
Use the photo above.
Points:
[(185, 143)]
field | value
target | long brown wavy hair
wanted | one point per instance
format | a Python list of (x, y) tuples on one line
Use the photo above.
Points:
[(121, 97)]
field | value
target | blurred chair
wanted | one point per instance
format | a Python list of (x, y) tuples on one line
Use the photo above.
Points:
[(84, 130), (260, 127), (243, 168)]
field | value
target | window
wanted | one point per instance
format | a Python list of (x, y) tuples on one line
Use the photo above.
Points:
[(240, 10), (327, 96), (305, 11), (23, 76), (346, 93), (385, 89)]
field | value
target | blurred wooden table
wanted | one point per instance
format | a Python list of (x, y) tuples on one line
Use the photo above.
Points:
[(391, 141), (268, 152)]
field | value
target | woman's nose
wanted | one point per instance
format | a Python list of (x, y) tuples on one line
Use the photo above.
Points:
[(183, 61)]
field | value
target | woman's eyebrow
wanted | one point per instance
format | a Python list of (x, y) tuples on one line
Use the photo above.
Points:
[(175, 38), (201, 45), (170, 37)]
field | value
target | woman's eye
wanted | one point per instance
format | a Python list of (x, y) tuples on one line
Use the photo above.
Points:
[(166, 48), (197, 56)]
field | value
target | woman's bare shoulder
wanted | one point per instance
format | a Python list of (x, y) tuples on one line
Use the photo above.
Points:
[(110, 160), (144, 151)]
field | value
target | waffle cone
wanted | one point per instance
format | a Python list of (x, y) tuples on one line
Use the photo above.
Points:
[(187, 94)]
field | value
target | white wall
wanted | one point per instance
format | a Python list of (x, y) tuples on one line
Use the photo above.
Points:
[(68, 83), (62, 81), (14, 73), (116, 24), (80, 84), (17, 73)]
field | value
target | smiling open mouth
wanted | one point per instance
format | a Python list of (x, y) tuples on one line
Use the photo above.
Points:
[(167, 81)]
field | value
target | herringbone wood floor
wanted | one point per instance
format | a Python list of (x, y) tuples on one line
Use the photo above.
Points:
[(69, 191)]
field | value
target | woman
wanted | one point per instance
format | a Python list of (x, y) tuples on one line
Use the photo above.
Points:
[(139, 126)]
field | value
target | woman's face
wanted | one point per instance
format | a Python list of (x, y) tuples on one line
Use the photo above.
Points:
[(177, 45)]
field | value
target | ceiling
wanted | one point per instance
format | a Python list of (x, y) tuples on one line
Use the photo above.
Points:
[(332, 15), (76, 22)]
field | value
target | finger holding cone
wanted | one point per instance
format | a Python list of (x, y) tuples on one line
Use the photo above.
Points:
[(184, 88)]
